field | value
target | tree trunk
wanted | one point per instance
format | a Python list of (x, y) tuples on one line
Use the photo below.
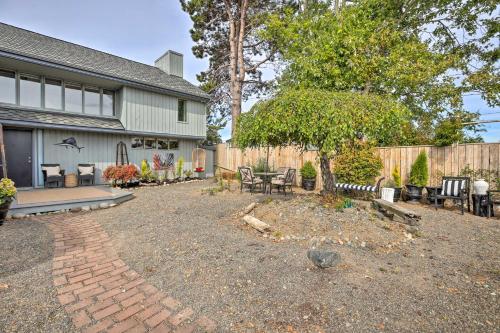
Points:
[(326, 174)]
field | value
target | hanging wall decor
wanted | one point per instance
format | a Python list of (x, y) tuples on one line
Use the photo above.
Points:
[(69, 143)]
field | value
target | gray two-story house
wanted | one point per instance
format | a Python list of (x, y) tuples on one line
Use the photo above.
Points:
[(52, 90)]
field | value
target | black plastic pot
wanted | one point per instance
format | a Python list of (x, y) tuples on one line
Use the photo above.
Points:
[(397, 193), (309, 184), (431, 194), (4, 209), (414, 193)]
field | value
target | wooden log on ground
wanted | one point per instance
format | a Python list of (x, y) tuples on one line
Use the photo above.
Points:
[(249, 208), (256, 223), (409, 217)]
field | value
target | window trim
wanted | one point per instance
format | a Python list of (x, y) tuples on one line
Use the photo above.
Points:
[(185, 121), (40, 77), (63, 109)]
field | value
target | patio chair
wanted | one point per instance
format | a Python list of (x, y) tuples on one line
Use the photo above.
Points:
[(493, 198), (86, 173), (457, 188), (282, 172), (282, 183), (52, 174), (248, 179)]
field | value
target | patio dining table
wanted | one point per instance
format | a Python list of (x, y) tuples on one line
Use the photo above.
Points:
[(266, 179)]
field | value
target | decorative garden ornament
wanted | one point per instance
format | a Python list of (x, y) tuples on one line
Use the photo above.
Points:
[(481, 186), (69, 143)]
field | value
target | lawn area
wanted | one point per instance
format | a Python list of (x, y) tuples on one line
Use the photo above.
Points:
[(195, 248)]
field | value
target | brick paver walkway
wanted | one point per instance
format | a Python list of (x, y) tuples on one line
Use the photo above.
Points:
[(102, 294)]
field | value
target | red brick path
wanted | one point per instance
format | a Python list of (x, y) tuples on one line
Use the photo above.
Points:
[(102, 294)]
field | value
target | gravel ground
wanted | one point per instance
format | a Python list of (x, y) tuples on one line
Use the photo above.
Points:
[(189, 245), (27, 298)]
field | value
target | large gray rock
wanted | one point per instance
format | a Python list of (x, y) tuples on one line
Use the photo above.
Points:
[(18, 216), (104, 205), (323, 259)]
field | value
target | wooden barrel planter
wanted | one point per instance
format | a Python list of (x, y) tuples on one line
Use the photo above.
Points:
[(70, 180)]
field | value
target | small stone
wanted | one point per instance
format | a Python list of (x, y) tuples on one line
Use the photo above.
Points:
[(85, 208), (18, 215), (76, 209), (363, 244), (104, 205), (94, 207), (112, 205), (323, 259)]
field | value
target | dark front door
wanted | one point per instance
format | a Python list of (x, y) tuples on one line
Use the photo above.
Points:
[(18, 154)]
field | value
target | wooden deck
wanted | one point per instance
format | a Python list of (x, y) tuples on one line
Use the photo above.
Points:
[(46, 200)]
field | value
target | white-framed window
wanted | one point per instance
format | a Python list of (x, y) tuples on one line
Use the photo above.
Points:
[(53, 94), (137, 143), (162, 144), (181, 111), (149, 143), (7, 86), (38, 91), (173, 144), (30, 90)]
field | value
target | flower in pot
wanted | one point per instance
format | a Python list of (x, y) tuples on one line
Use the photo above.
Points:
[(7, 193), (395, 183), (308, 174), (419, 174), (200, 172)]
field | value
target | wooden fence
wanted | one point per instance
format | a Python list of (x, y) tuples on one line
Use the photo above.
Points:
[(447, 161)]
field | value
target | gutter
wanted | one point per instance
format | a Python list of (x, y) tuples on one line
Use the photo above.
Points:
[(106, 77)]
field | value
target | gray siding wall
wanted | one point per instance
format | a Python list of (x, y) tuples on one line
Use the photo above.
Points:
[(147, 111), (99, 149)]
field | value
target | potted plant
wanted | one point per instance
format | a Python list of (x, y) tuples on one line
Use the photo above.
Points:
[(419, 174), (188, 173), (7, 193), (308, 174), (395, 183)]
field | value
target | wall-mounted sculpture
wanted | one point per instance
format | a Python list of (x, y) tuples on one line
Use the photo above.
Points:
[(69, 143)]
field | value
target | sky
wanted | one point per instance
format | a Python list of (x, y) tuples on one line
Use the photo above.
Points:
[(141, 31)]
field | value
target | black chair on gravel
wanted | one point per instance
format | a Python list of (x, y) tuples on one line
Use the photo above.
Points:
[(52, 174), (457, 188)]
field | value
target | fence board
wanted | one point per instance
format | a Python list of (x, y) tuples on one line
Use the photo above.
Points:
[(442, 160)]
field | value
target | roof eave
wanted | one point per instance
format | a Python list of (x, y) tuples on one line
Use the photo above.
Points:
[(104, 76)]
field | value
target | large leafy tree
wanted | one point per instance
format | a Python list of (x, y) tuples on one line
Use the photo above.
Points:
[(229, 33), (324, 119), (426, 54)]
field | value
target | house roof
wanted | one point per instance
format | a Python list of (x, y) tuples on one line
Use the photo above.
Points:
[(40, 47), (18, 116)]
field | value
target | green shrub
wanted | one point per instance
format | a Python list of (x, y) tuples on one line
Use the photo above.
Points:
[(396, 176), (180, 166), (307, 171), (7, 190), (260, 165), (146, 172), (357, 164), (419, 173)]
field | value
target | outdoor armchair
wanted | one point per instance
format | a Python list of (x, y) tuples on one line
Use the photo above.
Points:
[(248, 179), (86, 174), (284, 182), (52, 174)]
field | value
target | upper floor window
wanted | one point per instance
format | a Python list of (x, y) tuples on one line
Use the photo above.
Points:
[(7, 86), (49, 93), (181, 111), (108, 101), (53, 94), (73, 97), (92, 100), (30, 90)]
